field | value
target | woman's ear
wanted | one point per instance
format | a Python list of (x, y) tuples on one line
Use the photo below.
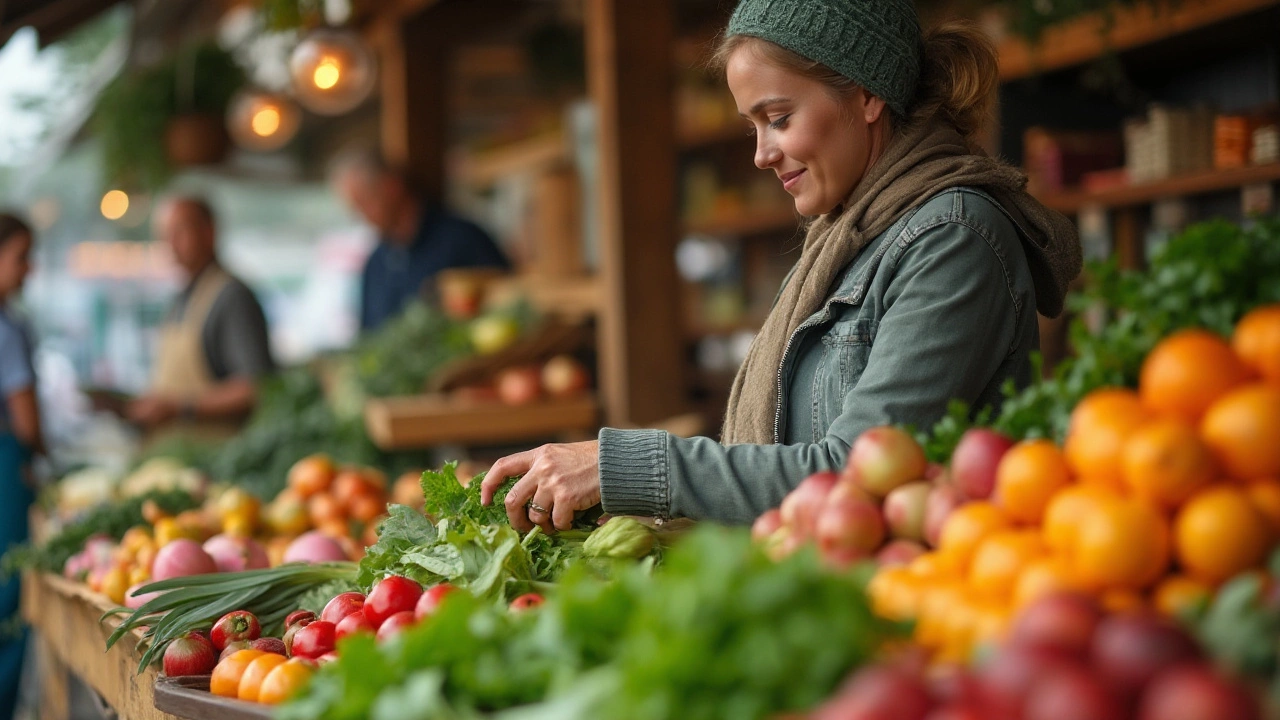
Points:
[(872, 107)]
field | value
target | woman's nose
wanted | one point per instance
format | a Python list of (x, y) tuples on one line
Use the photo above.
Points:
[(767, 154)]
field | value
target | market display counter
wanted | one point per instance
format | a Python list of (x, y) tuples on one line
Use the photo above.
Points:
[(66, 617)]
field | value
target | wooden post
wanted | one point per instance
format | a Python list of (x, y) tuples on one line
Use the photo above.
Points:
[(1127, 234), (414, 92), (556, 224), (629, 76)]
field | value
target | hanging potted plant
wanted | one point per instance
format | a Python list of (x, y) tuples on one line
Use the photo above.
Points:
[(153, 120)]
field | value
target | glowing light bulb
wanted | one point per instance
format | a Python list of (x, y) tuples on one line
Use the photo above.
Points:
[(266, 121), (115, 204), (327, 73)]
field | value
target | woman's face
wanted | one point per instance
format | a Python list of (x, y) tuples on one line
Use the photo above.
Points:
[(15, 263), (818, 145)]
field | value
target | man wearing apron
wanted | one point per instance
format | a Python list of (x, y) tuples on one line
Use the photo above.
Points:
[(213, 345)]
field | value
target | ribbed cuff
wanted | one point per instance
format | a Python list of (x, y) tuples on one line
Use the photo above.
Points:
[(633, 472)]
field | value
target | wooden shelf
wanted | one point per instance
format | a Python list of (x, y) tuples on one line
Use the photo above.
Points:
[(1182, 186), (528, 156), (571, 297), (1080, 40), (747, 223), (426, 420)]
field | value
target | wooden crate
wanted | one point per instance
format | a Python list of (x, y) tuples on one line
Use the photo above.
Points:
[(427, 420), (66, 617), (189, 697)]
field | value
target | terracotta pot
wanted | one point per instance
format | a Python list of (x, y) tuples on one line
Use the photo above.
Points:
[(196, 140)]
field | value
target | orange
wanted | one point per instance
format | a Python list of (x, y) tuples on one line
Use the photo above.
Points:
[(1028, 475), (1186, 372), (1121, 545), (1256, 341), (1067, 509), (1122, 601), (311, 475), (999, 559), (895, 593), (965, 528), (1165, 462), (935, 606), (323, 507), (1043, 576), (1219, 533), (1265, 496), (1243, 431), (255, 673), (1099, 427), (931, 565), (225, 680), (1178, 595), (285, 680)]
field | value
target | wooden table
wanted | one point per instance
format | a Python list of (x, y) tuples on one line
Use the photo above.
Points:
[(65, 616)]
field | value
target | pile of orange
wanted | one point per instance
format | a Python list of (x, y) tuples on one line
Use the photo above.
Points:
[(1156, 497)]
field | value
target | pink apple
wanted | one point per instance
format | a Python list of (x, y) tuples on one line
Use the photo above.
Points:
[(937, 508), (801, 507), (974, 462), (782, 543), (904, 510), (766, 525), (886, 457), (899, 552), (849, 523)]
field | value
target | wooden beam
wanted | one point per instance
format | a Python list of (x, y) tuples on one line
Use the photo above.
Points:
[(414, 89), (629, 76)]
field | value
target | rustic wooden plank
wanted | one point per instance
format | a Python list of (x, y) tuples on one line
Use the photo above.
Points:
[(66, 616), (189, 697), (1088, 37), (571, 298), (629, 78), (55, 686), (1198, 183), (426, 420), (531, 156), (413, 89)]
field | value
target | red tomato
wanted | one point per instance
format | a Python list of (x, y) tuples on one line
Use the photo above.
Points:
[(430, 599), (356, 622), (396, 624), (341, 606), (314, 640), (393, 595), (527, 601), (238, 625)]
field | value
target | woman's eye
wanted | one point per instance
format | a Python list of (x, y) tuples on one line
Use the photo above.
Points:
[(780, 122)]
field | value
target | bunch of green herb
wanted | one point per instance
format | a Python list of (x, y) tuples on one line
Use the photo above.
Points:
[(719, 631), (197, 601), (1208, 276), (111, 520), (401, 356)]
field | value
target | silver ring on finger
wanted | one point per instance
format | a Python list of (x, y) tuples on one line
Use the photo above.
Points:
[(535, 507)]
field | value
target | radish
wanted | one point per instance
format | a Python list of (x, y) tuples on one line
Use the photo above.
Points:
[(314, 547), (181, 558), (189, 655), (133, 602), (236, 554)]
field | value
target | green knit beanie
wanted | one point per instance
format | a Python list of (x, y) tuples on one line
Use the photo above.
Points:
[(875, 43)]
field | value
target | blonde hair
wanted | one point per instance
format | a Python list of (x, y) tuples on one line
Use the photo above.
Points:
[(958, 74)]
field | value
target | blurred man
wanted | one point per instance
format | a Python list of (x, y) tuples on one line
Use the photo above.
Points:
[(416, 239), (213, 344)]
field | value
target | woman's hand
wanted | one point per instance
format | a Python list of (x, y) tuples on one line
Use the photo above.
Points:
[(558, 481)]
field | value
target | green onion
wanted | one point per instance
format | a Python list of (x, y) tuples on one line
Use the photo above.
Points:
[(197, 601)]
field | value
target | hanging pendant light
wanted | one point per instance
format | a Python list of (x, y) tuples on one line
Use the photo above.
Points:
[(262, 121), (333, 71)]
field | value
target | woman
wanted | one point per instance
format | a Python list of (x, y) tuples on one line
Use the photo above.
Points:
[(19, 436), (919, 279)]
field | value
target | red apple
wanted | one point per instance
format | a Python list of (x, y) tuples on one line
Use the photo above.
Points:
[(341, 606), (766, 525), (520, 385), (937, 508), (849, 524), (1071, 693), (1195, 692), (904, 510), (878, 691), (801, 506), (563, 376), (974, 462), (190, 654), (1059, 621), (431, 599), (1008, 676), (783, 543), (356, 622), (886, 457), (396, 624), (899, 552), (1130, 649)]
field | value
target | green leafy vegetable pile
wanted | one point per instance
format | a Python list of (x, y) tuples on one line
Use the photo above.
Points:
[(1208, 276), (720, 631), (112, 520)]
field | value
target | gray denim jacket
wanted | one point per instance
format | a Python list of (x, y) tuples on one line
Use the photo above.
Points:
[(939, 306)]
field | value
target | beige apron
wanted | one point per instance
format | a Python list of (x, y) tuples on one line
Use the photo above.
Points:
[(182, 371)]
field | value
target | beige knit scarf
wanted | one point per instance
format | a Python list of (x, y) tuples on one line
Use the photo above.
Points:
[(918, 164)]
